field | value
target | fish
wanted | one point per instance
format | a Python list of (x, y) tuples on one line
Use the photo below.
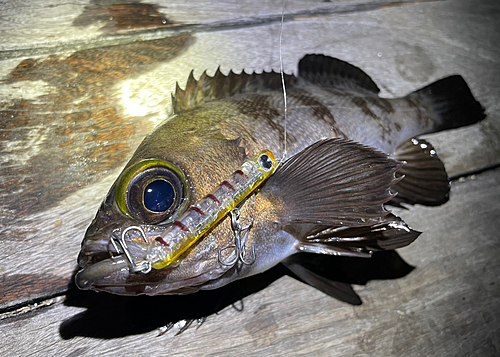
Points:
[(349, 154)]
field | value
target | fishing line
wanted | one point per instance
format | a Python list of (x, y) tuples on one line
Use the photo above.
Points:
[(203, 215), (283, 78)]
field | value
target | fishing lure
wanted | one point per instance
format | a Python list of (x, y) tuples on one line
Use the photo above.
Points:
[(203, 215)]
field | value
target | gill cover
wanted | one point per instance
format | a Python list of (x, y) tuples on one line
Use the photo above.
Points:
[(153, 191)]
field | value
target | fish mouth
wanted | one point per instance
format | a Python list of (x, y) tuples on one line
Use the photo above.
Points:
[(106, 267), (94, 251), (99, 246), (107, 261), (113, 275), (104, 272)]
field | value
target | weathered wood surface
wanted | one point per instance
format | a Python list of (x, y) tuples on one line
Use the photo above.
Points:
[(448, 306), (45, 27), (70, 118)]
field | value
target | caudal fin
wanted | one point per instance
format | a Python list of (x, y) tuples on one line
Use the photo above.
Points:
[(425, 180), (451, 105), (452, 102)]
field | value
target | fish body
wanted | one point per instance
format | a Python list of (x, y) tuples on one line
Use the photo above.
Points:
[(327, 198)]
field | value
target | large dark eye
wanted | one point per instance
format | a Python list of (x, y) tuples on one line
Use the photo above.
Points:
[(159, 196), (152, 191)]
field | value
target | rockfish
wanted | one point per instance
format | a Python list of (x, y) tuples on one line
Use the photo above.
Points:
[(349, 152)]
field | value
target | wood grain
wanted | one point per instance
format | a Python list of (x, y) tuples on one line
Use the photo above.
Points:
[(449, 305), (47, 27), (72, 113)]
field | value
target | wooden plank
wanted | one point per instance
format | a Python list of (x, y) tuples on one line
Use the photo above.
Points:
[(62, 125), (447, 306), (60, 117), (47, 27)]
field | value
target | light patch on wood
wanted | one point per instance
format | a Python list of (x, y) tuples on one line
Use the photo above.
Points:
[(19, 152), (42, 22), (463, 150), (53, 247), (148, 95), (28, 90), (31, 307)]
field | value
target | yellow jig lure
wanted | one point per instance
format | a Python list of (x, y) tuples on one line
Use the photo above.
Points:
[(206, 213)]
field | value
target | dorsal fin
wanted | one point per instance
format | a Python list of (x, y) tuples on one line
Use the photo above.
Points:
[(331, 72), (220, 86)]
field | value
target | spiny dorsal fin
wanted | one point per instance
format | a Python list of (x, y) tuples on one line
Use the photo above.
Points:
[(220, 86), (331, 72), (425, 180)]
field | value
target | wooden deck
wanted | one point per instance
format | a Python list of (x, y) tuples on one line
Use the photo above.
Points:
[(81, 83)]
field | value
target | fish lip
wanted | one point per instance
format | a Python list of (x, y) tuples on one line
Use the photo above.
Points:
[(142, 289), (93, 251), (105, 269), (100, 270), (103, 276)]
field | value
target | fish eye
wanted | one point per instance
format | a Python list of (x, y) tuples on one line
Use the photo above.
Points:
[(159, 196), (153, 191)]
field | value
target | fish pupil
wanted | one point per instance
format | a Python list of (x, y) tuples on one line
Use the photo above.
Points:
[(159, 196), (265, 162)]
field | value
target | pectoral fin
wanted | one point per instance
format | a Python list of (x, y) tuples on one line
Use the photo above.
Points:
[(333, 182), (331, 198)]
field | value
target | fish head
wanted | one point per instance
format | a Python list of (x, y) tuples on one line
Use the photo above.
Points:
[(172, 169)]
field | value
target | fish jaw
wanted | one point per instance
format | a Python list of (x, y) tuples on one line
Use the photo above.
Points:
[(113, 275), (96, 242), (104, 268)]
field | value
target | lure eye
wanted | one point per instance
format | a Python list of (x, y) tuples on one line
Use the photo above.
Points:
[(266, 160), (152, 191)]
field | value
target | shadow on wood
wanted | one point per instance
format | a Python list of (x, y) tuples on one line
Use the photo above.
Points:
[(112, 316)]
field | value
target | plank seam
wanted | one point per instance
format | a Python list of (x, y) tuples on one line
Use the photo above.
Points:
[(153, 34)]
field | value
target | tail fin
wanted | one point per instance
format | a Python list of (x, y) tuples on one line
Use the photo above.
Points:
[(452, 101), (425, 179), (452, 105)]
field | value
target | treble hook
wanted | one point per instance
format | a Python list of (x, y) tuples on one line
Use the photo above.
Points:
[(239, 243), (142, 267)]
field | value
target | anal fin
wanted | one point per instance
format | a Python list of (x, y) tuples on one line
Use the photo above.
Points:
[(425, 180), (341, 291)]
